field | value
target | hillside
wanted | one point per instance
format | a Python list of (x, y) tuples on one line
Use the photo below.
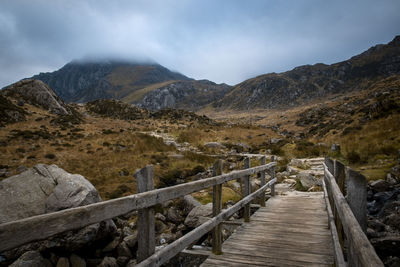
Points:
[(310, 82), (81, 81)]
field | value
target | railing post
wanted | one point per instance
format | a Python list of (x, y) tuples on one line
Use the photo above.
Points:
[(217, 207), (246, 181), (272, 173), (263, 161), (145, 222)]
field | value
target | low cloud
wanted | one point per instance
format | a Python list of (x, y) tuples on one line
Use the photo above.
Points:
[(224, 41)]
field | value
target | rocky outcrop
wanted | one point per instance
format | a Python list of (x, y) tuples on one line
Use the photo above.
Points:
[(116, 109), (39, 94), (189, 95), (83, 81), (9, 112), (308, 82)]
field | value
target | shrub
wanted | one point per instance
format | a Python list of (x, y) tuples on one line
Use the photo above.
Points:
[(50, 156)]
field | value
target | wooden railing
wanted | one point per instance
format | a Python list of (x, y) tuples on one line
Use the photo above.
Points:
[(17, 233), (347, 215)]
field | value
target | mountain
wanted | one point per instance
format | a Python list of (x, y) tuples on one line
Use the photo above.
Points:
[(309, 82), (83, 81)]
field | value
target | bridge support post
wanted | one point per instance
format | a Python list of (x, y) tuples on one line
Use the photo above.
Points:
[(272, 173), (263, 161), (217, 207), (145, 223), (247, 190)]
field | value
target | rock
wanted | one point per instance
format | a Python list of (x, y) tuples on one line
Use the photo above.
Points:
[(214, 145), (122, 261), (380, 185), (63, 262), (3, 173), (131, 263), (199, 215), (189, 203), (131, 240), (109, 262), (291, 182), (335, 147), (174, 215), (166, 238), (123, 250), (388, 245), (160, 226), (32, 259), (275, 140), (77, 261), (292, 171), (126, 231), (160, 217), (37, 93), (306, 180), (112, 245), (236, 186), (21, 168)]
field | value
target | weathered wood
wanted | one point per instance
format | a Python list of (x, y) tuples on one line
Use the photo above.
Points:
[(145, 222), (296, 240), (340, 176), (337, 246), (217, 207), (357, 196), (263, 161), (175, 247), (16, 233), (360, 249), (272, 174), (246, 182)]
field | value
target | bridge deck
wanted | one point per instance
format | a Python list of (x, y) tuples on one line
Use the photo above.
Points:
[(292, 230)]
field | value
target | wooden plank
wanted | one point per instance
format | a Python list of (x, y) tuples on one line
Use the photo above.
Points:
[(272, 174), (145, 222), (263, 161), (175, 247), (217, 207), (247, 189), (363, 251), (16, 233)]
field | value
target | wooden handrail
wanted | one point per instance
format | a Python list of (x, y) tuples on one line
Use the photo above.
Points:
[(17, 233), (360, 250)]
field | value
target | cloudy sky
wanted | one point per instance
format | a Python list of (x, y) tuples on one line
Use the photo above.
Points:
[(221, 40)]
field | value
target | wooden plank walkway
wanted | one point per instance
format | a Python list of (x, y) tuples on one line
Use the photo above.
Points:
[(292, 230)]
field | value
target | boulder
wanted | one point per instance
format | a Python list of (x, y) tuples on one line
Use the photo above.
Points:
[(189, 203), (199, 215), (307, 180), (32, 259), (275, 140), (63, 262), (380, 185), (48, 188), (123, 250), (109, 262), (174, 215), (131, 240), (213, 145)]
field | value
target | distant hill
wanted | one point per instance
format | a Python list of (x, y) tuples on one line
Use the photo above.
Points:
[(83, 81), (309, 82)]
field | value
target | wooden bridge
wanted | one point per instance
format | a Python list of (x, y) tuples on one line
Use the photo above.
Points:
[(291, 229)]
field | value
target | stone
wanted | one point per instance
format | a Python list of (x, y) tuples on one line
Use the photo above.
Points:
[(166, 238), (213, 145), (112, 245), (199, 215), (174, 215), (160, 226), (123, 250), (291, 182), (122, 261), (335, 148), (131, 263), (32, 259), (131, 240), (275, 140), (307, 180), (126, 231), (189, 203), (76, 261), (160, 217), (236, 186), (387, 245), (380, 185), (63, 262), (109, 262)]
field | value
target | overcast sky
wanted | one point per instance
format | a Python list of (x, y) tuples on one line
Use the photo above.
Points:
[(223, 41)]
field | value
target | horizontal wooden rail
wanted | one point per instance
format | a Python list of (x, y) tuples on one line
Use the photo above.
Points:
[(361, 252), (16, 233), (175, 247)]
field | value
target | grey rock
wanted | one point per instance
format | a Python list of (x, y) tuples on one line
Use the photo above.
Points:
[(380, 185), (126, 231), (63, 262), (112, 245), (31, 259), (160, 217), (307, 180), (123, 250), (160, 226), (189, 203), (131, 263), (76, 261), (199, 215), (38, 93), (213, 145), (108, 262), (122, 261), (174, 215), (131, 240), (275, 140)]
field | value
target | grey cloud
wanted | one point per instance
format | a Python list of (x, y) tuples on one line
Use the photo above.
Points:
[(224, 41)]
